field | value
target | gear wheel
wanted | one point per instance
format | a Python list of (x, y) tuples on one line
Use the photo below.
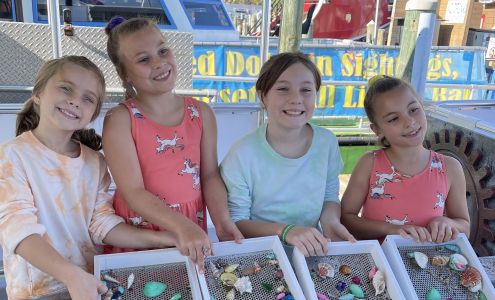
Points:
[(480, 192)]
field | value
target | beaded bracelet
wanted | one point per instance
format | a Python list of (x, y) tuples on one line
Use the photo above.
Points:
[(285, 232)]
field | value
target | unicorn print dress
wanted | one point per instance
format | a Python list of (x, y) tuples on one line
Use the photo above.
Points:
[(170, 165), (399, 199)]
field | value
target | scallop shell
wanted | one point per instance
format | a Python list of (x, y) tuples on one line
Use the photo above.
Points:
[(421, 259), (325, 270), (458, 262), (379, 282), (440, 260), (243, 285), (471, 279), (345, 270)]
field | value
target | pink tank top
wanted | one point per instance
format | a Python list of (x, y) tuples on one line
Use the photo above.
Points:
[(170, 165), (400, 199)]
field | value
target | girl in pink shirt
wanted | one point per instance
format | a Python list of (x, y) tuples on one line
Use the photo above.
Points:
[(55, 209), (160, 147), (403, 188)]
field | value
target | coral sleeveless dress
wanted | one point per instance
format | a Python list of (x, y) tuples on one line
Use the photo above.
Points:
[(400, 199), (170, 165)]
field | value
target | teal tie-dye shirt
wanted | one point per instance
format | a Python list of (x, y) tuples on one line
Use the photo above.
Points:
[(264, 186)]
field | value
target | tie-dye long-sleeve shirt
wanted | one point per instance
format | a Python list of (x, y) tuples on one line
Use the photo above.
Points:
[(65, 200)]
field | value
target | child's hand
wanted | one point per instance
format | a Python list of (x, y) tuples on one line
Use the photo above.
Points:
[(84, 286), (308, 240), (338, 232), (418, 233), (442, 229), (192, 241), (228, 231)]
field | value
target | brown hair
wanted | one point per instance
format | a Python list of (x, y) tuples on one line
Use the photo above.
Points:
[(276, 65), (115, 29), (378, 85), (28, 118)]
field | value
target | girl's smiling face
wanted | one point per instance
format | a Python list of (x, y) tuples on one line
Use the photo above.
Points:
[(290, 102), (400, 118), (70, 98), (149, 63)]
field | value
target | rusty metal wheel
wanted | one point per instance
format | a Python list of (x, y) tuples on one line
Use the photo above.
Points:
[(480, 191)]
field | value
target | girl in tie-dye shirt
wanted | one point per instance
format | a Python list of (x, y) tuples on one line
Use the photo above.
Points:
[(403, 188), (54, 206)]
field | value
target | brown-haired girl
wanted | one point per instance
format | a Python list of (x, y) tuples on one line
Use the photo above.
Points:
[(403, 188), (283, 178)]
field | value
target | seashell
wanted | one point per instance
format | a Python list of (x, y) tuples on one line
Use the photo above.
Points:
[(272, 262), (457, 262), (280, 289), (440, 260), (346, 297), (421, 259), (271, 256), (243, 285), (379, 282), (356, 290), (356, 280), (215, 271), (345, 270), (325, 270), (280, 296), (257, 267), (248, 271), (154, 288), (176, 296), (228, 279), (433, 294), (230, 295), (452, 247), (320, 296), (341, 286), (372, 272), (111, 279), (279, 274), (231, 268), (130, 281), (471, 279)]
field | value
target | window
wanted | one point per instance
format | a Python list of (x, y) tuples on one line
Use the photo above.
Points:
[(99, 12), (207, 14), (6, 10)]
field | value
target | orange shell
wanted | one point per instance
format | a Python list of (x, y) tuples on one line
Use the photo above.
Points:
[(470, 277)]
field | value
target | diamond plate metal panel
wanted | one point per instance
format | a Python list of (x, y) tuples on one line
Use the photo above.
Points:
[(25, 47)]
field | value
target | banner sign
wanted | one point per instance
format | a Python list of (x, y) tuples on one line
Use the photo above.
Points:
[(338, 64)]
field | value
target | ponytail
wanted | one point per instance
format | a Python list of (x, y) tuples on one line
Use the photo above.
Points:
[(28, 118), (88, 137)]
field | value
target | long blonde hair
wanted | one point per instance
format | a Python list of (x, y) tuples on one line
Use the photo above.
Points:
[(28, 118)]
